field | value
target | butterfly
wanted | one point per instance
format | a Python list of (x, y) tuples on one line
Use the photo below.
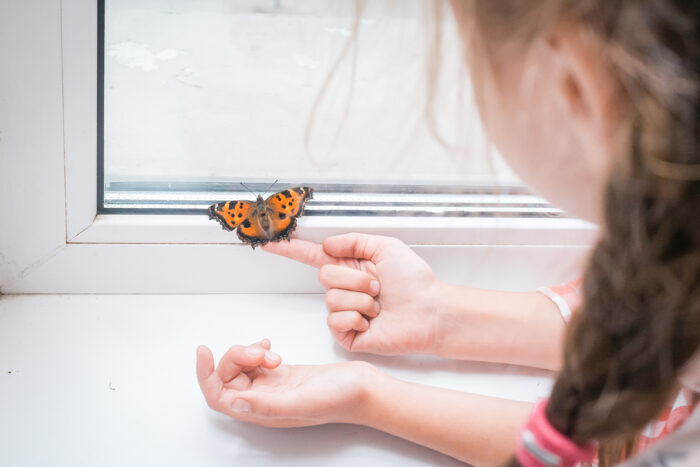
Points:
[(259, 222)]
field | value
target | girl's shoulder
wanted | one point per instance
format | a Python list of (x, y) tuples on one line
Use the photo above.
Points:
[(568, 298), (670, 419), (680, 448)]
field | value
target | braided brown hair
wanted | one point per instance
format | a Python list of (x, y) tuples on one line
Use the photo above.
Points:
[(640, 321)]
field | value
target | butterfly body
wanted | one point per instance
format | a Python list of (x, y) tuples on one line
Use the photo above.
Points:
[(261, 221)]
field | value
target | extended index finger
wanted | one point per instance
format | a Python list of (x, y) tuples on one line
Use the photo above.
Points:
[(303, 251)]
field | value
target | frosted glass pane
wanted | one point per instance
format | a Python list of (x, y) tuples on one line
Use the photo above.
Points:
[(223, 91)]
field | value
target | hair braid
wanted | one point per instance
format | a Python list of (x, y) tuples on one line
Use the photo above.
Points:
[(640, 321)]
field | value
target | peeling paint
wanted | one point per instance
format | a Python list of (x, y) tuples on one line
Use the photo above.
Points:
[(135, 55), (26, 271), (9, 272)]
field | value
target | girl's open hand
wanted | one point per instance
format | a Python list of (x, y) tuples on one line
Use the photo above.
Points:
[(251, 385), (381, 296)]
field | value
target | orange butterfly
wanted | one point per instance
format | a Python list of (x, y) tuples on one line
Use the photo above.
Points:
[(260, 222)]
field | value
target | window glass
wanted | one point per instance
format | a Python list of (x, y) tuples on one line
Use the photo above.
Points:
[(201, 95)]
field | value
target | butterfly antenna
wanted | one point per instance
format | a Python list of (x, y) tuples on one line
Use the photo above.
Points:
[(246, 187), (268, 188)]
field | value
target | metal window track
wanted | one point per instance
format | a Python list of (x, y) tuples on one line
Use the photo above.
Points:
[(334, 200)]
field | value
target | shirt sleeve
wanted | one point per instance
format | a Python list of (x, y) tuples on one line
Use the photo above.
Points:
[(680, 448), (566, 296), (670, 419)]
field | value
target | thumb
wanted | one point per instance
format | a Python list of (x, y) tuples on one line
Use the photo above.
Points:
[(357, 245), (262, 404)]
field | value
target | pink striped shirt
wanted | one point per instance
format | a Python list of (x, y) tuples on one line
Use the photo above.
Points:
[(567, 297)]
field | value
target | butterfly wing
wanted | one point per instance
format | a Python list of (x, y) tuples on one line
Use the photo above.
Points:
[(256, 226), (231, 214), (285, 207), (290, 202)]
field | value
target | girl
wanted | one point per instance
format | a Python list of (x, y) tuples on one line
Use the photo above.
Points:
[(595, 104)]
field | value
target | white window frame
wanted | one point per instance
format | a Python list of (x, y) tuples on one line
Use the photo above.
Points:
[(54, 241)]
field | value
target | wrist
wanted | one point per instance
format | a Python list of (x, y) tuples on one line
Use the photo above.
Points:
[(438, 314), (372, 384), (494, 326), (451, 320)]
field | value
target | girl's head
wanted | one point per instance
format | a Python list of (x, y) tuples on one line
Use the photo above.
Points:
[(595, 104), (548, 98)]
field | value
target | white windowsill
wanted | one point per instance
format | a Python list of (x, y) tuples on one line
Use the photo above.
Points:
[(110, 380), (412, 230)]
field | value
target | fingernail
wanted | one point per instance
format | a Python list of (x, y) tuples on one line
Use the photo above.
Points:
[(374, 287), (377, 306), (240, 406), (365, 324), (271, 356)]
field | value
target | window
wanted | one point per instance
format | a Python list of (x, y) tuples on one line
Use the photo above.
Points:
[(485, 230), (199, 96)]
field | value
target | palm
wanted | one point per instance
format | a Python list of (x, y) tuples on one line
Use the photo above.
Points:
[(280, 395), (313, 393), (289, 379)]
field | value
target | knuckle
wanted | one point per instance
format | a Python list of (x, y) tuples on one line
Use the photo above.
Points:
[(326, 274), (323, 275), (332, 298), (332, 320), (338, 323), (330, 323), (357, 319), (395, 241), (362, 325)]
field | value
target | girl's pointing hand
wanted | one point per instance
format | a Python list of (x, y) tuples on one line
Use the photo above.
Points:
[(380, 295)]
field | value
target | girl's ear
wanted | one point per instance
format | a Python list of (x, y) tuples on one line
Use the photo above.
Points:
[(586, 83)]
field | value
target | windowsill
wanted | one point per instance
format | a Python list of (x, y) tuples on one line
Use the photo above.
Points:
[(198, 229), (71, 250), (105, 379)]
